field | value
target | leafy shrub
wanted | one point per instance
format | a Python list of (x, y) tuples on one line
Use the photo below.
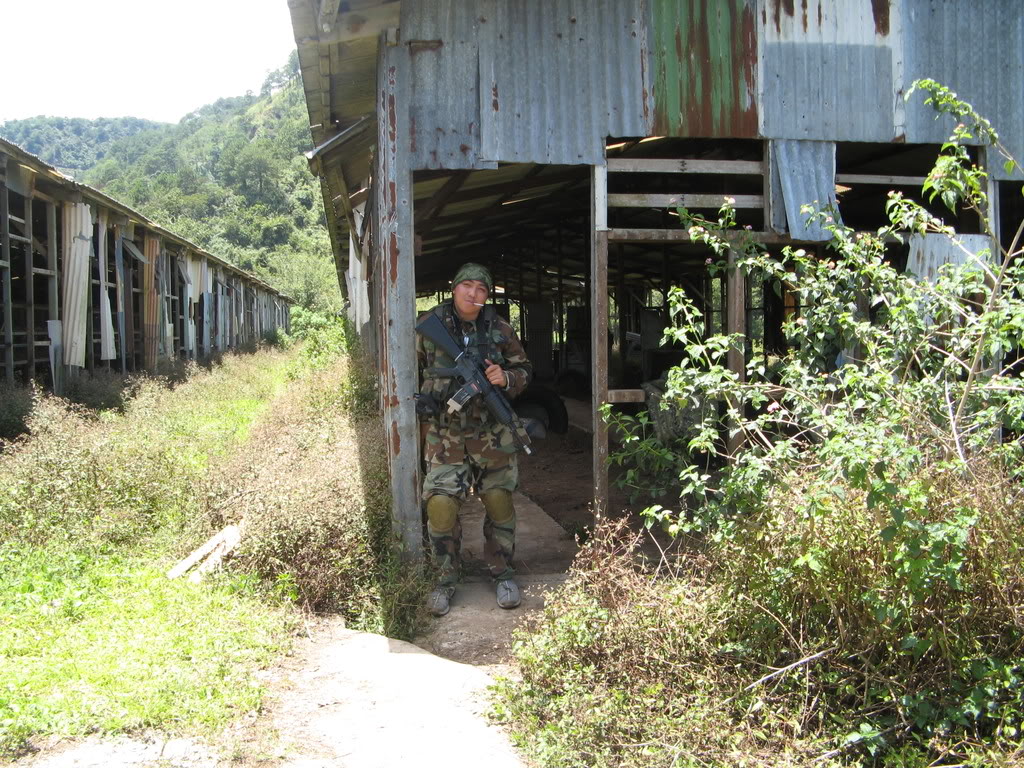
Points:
[(318, 510), (866, 542), (15, 405)]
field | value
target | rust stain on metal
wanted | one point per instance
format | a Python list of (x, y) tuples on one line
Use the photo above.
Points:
[(880, 10), (393, 257), (821, 15), (803, 13), (778, 8), (393, 195), (464, 148), (396, 440), (494, 97)]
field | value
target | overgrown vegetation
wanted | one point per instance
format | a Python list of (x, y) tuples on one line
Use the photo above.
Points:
[(95, 506), (317, 506), (857, 594)]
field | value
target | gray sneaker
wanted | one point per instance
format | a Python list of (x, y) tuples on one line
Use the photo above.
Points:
[(439, 600), (508, 593)]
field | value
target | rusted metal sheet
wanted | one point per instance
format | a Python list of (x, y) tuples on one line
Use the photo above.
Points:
[(977, 50), (442, 41), (77, 254), (705, 67), (397, 284), (543, 81), (803, 173), (829, 71)]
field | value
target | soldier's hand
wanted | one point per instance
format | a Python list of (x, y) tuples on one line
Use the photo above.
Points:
[(495, 374)]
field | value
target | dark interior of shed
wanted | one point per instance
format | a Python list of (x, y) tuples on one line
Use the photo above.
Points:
[(531, 225)]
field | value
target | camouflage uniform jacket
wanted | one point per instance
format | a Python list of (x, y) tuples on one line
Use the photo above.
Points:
[(499, 345)]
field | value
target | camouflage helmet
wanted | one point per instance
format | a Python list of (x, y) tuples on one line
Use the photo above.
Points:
[(473, 271)]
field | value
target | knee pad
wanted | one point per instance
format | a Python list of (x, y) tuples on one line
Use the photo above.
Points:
[(442, 512), (498, 503)]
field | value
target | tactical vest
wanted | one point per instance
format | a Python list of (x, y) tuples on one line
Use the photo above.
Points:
[(484, 346)]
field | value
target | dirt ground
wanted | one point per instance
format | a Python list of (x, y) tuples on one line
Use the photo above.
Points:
[(559, 478)]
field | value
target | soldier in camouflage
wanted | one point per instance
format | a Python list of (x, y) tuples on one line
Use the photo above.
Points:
[(469, 449)]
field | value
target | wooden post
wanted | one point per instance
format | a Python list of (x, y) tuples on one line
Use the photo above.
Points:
[(599, 330), (5, 266), (150, 300), (521, 296), (621, 303), (560, 301), (53, 291), (397, 276), (30, 292), (736, 323)]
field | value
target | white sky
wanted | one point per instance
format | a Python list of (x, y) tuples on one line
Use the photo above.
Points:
[(153, 59)]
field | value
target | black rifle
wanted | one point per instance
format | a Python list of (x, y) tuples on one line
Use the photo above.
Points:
[(470, 375)]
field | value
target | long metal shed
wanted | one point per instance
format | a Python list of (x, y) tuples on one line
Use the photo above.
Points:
[(553, 139), (88, 283)]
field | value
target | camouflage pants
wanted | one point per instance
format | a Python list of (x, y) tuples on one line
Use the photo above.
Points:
[(489, 473)]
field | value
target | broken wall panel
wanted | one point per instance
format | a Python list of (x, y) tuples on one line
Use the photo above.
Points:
[(86, 282)]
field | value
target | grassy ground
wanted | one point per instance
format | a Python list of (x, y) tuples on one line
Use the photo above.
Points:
[(94, 506)]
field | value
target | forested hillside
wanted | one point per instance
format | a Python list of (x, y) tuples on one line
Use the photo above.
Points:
[(72, 144), (229, 176)]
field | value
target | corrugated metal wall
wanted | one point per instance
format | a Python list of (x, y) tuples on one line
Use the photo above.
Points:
[(705, 67), (541, 81), (547, 81), (976, 49), (828, 70)]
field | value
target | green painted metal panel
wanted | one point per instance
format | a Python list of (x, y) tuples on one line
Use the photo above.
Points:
[(705, 68)]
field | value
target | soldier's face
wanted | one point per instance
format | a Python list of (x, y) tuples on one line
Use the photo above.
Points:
[(469, 297)]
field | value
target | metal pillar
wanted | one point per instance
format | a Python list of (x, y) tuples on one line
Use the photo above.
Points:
[(395, 263)]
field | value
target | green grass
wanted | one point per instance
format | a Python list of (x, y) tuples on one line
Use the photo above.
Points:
[(104, 642), (93, 510)]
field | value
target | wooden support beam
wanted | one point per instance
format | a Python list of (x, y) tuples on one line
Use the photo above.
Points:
[(643, 235), (639, 165), (5, 284), (736, 323), (626, 396), (868, 178), (346, 27), (599, 333), (427, 212), (624, 200), (30, 284)]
